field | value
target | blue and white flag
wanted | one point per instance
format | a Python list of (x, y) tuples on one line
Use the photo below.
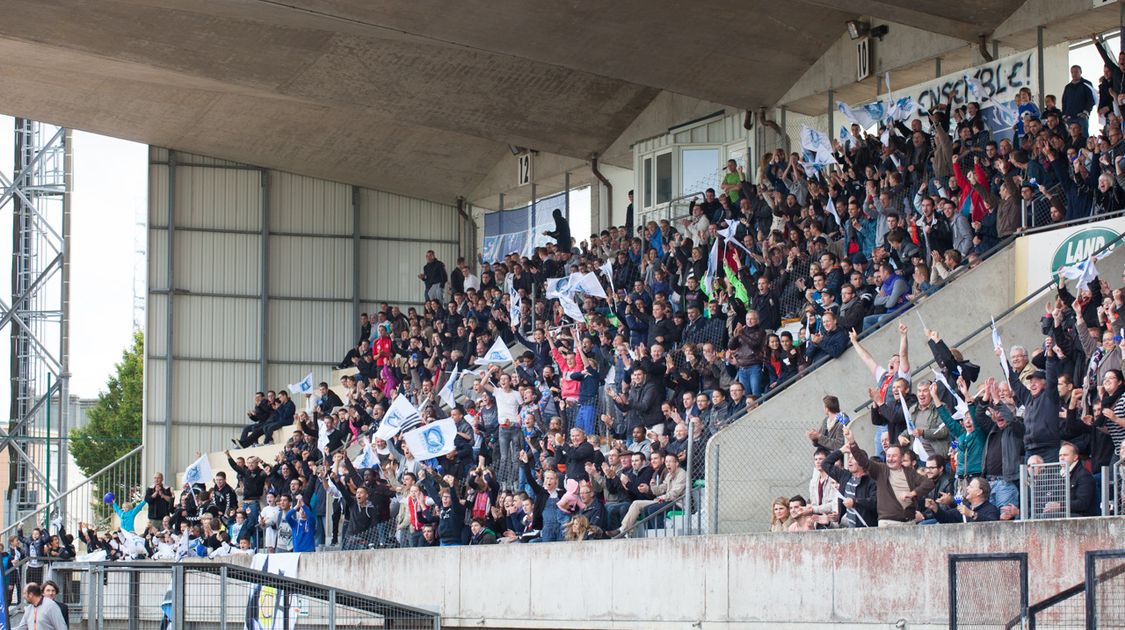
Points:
[(962, 407), (866, 116), (514, 308), (402, 416), (1084, 272), (903, 108), (712, 270), (607, 270), (432, 440), (818, 145), (446, 394), (303, 387), (588, 284), (830, 207), (571, 308), (198, 472), (558, 286), (498, 353), (729, 233), (996, 342), (366, 458)]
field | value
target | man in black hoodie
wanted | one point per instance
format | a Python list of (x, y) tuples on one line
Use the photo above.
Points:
[(561, 233)]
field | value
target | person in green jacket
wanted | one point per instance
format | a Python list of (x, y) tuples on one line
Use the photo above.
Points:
[(970, 442)]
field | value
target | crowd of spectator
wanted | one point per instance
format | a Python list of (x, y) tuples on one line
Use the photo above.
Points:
[(678, 328)]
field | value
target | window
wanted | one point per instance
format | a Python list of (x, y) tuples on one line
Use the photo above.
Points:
[(664, 177), (648, 183), (699, 170)]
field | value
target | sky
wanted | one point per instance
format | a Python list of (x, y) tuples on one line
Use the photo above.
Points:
[(110, 195), (110, 191)]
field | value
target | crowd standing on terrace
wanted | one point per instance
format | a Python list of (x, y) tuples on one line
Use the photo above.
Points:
[(663, 333)]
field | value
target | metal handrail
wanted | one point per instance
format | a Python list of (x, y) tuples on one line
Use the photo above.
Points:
[(652, 518), (228, 571), (62, 497)]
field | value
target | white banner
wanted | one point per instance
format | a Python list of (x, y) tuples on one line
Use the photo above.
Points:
[(1001, 80), (431, 440), (267, 607)]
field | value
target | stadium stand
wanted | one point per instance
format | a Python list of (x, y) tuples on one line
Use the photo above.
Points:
[(570, 395)]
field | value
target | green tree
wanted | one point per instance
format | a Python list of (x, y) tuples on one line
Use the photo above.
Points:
[(114, 423)]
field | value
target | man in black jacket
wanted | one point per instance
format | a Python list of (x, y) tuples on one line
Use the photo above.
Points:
[(259, 415), (327, 400), (159, 500), (1083, 492), (433, 276), (575, 455), (857, 490), (642, 406)]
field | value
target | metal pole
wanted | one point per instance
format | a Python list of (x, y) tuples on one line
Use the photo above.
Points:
[(937, 67), (831, 113), (179, 610), (687, 494), (715, 493), (91, 598), (264, 289), (47, 452), (223, 598), (64, 322), (1039, 62), (1066, 495), (531, 220), (356, 243), (784, 130), (134, 608), (1025, 491), (566, 191), (331, 609), (1105, 490), (169, 320)]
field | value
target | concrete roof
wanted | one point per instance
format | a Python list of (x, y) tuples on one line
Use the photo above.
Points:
[(422, 97)]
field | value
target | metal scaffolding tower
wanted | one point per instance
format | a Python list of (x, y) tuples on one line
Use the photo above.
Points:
[(37, 195)]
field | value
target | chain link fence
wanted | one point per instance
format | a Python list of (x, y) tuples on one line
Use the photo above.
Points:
[(1105, 589), (987, 590), (1046, 491)]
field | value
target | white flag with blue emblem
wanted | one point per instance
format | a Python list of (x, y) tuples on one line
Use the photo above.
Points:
[(498, 353), (431, 440), (446, 394), (571, 308), (199, 471), (401, 416), (514, 308), (1084, 272), (304, 387), (588, 283), (558, 286)]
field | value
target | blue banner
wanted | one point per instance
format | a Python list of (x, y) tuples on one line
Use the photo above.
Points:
[(5, 561), (512, 231)]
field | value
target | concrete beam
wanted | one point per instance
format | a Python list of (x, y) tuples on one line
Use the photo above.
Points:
[(934, 23)]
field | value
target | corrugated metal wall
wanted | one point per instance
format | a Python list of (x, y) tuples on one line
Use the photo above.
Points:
[(265, 260)]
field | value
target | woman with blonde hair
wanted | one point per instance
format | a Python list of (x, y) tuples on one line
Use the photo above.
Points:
[(779, 517)]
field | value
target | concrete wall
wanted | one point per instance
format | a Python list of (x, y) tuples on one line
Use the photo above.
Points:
[(850, 579)]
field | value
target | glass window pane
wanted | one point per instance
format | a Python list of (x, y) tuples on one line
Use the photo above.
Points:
[(648, 183), (664, 178), (700, 168)]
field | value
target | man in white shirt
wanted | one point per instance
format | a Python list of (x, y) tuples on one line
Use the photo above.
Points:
[(41, 613), (897, 367)]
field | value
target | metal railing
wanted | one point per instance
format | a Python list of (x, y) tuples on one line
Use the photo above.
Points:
[(217, 596), (676, 518), (84, 502), (1044, 491)]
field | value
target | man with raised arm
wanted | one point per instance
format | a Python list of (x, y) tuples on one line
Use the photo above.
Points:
[(898, 366), (1040, 400)]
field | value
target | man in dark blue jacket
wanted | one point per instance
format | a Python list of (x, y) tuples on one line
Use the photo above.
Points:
[(829, 342)]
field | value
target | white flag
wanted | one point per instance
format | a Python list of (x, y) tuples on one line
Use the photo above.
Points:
[(498, 353), (321, 435), (962, 406), (831, 208), (431, 440), (916, 446), (304, 387), (571, 308), (514, 308), (558, 286), (446, 393), (607, 269), (366, 458), (729, 233), (996, 342), (818, 145), (712, 270), (1084, 272), (401, 416), (588, 283), (199, 471)]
